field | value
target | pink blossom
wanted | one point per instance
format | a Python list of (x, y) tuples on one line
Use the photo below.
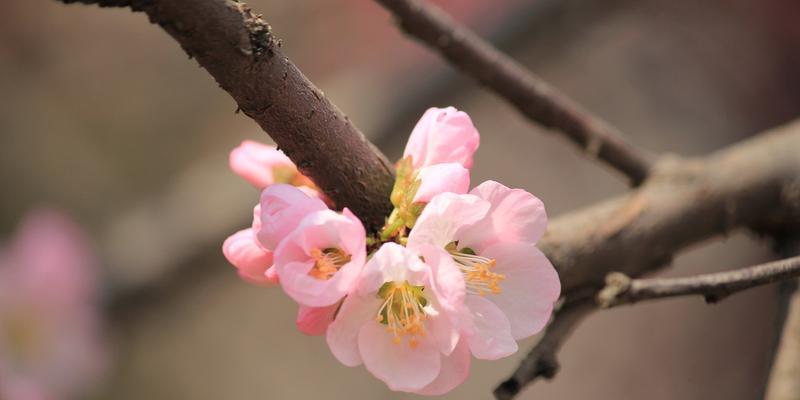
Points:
[(261, 164), (319, 261), (442, 135), (400, 325), (51, 342), (282, 208), (252, 260), (490, 235), (441, 178), (315, 320)]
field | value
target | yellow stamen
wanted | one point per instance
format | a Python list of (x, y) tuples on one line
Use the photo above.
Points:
[(402, 311), (327, 262), (477, 270)]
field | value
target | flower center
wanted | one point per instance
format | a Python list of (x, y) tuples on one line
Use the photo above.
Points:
[(327, 262), (477, 270), (402, 311)]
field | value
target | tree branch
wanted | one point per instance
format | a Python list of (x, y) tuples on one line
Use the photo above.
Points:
[(754, 184), (239, 50), (527, 92), (542, 360), (620, 289)]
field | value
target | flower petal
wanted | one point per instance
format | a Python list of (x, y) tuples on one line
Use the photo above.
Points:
[(252, 261), (515, 215), (342, 334), (321, 230), (443, 135), (441, 178), (315, 320), (398, 365), (530, 289), (254, 162), (283, 207), (454, 371), (490, 335), (443, 217)]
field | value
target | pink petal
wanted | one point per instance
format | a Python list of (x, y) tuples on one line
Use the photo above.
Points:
[(254, 162), (321, 230), (443, 136), (54, 258), (515, 216), (398, 365), (342, 334), (243, 251), (490, 337), (392, 262), (282, 208), (443, 217), (454, 371), (441, 178), (530, 289), (315, 320)]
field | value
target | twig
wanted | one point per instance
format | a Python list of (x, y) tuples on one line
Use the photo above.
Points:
[(239, 50), (542, 360), (519, 86), (621, 289)]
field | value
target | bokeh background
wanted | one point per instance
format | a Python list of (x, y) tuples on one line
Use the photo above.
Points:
[(102, 115)]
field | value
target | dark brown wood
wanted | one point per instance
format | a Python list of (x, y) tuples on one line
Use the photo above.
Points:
[(240, 51)]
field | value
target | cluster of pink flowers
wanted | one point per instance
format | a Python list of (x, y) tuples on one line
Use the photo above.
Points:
[(453, 274), (51, 341)]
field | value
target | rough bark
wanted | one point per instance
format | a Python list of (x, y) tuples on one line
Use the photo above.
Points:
[(239, 50)]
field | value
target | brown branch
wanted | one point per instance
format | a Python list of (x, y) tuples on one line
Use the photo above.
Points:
[(753, 184), (621, 289), (239, 50), (519, 86), (542, 360)]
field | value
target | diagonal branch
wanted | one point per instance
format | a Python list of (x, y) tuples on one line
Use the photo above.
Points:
[(519, 86), (620, 289), (239, 50)]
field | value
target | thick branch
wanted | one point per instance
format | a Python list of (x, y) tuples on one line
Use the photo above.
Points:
[(239, 50), (754, 184), (519, 86), (542, 360), (620, 289)]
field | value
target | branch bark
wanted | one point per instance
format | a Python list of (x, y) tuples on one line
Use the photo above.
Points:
[(621, 289), (519, 86), (754, 184), (239, 50)]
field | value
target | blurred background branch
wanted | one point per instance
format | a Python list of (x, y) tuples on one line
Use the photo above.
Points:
[(533, 97)]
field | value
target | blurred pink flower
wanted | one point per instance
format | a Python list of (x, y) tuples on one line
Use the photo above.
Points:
[(442, 135), (489, 236), (400, 325), (318, 263), (51, 342)]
